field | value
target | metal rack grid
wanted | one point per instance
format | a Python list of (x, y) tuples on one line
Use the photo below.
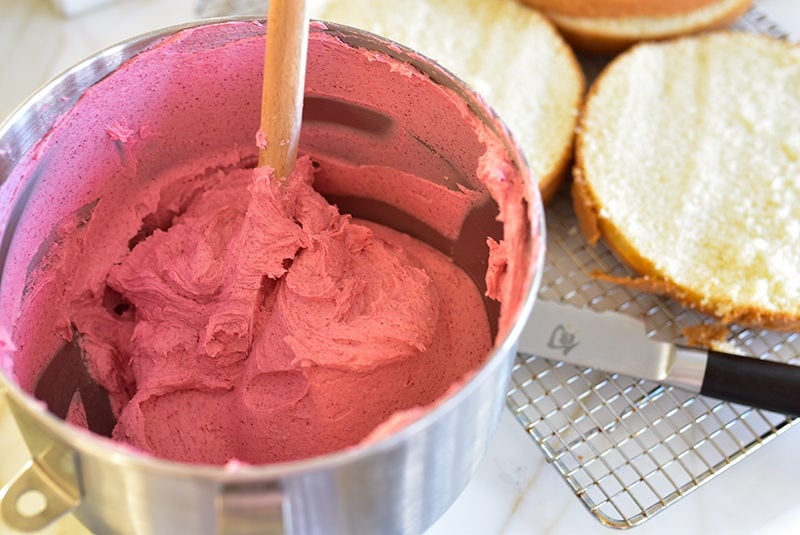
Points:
[(629, 448)]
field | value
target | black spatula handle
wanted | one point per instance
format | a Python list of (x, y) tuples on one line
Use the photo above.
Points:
[(759, 383)]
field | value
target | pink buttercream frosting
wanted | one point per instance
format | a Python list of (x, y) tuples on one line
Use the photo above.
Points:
[(261, 324), (236, 318)]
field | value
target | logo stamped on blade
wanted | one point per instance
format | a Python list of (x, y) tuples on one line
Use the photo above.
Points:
[(562, 339)]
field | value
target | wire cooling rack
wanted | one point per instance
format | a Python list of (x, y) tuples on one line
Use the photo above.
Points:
[(629, 448)]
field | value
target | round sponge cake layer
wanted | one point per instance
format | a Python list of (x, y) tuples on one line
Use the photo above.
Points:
[(688, 164), (507, 52)]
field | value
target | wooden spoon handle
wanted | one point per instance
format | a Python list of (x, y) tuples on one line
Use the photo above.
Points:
[(284, 82)]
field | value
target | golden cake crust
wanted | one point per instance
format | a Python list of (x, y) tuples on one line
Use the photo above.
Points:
[(610, 33), (619, 8)]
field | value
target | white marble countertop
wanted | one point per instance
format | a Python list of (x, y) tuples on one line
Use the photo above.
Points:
[(515, 490)]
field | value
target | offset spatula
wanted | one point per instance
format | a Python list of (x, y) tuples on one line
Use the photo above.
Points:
[(617, 343)]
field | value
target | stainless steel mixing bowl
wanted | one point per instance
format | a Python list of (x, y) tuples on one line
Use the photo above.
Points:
[(400, 484)]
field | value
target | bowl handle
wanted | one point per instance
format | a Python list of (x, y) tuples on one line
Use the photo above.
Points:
[(45, 489)]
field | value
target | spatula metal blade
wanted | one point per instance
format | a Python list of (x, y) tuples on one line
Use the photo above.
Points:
[(608, 341)]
